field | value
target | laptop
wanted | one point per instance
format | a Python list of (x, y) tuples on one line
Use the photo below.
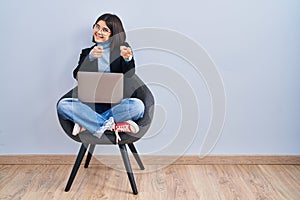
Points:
[(100, 87)]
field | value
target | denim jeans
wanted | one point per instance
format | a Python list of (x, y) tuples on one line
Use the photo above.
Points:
[(80, 113)]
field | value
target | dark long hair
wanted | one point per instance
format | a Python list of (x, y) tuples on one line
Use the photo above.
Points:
[(118, 35)]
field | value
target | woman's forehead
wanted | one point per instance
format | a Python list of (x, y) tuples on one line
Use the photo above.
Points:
[(102, 23)]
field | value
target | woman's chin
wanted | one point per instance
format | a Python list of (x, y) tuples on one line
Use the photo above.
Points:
[(100, 40)]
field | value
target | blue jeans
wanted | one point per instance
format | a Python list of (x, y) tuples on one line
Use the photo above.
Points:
[(80, 113)]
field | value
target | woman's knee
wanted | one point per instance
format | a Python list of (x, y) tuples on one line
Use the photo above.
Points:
[(63, 105), (138, 106)]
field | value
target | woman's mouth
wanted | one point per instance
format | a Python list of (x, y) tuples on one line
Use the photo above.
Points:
[(99, 37)]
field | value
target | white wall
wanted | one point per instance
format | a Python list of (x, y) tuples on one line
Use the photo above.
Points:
[(254, 44)]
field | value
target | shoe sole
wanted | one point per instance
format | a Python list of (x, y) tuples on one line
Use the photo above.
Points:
[(133, 126)]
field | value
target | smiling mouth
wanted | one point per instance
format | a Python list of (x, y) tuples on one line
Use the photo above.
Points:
[(99, 37)]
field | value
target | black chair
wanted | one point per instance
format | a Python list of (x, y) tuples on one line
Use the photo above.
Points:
[(134, 88)]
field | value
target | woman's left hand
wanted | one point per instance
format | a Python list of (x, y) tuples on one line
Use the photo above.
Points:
[(125, 52)]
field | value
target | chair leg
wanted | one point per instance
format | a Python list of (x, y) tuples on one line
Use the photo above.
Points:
[(76, 166), (136, 155), (89, 156), (128, 167)]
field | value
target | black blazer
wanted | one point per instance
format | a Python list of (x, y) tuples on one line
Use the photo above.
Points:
[(117, 63)]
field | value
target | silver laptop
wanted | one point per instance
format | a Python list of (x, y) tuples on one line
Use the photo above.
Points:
[(99, 87)]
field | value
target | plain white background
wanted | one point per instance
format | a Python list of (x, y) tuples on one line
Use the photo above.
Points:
[(254, 44)]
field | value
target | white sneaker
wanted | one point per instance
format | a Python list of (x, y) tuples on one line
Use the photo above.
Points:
[(77, 129), (107, 125)]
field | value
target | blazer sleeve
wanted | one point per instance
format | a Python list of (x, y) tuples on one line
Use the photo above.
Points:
[(128, 67), (118, 64), (84, 64)]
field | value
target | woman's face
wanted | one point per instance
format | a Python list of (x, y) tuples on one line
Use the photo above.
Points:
[(101, 32)]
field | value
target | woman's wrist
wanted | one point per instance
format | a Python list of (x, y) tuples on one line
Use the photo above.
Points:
[(91, 57), (128, 59)]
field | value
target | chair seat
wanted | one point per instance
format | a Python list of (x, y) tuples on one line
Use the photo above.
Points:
[(108, 137)]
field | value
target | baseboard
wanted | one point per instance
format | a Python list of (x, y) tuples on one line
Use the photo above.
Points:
[(155, 160)]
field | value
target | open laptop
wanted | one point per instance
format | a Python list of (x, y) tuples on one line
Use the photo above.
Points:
[(99, 87)]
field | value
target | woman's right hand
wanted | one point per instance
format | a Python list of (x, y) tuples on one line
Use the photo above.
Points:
[(97, 51)]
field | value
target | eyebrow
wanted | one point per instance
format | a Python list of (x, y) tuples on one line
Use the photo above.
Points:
[(103, 26)]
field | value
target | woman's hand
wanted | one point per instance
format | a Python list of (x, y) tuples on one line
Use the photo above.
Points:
[(126, 52), (97, 51)]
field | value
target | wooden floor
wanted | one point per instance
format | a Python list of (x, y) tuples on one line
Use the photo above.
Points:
[(190, 182)]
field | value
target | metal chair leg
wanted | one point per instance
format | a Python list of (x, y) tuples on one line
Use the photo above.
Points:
[(89, 156), (76, 166), (126, 161), (136, 155)]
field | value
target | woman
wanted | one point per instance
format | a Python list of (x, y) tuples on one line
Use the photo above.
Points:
[(110, 54)]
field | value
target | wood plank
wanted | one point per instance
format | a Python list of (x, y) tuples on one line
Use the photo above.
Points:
[(154, 160), (278, 182)]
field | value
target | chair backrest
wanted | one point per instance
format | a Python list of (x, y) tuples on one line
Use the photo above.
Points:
[(134, 87), (139, 90)]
